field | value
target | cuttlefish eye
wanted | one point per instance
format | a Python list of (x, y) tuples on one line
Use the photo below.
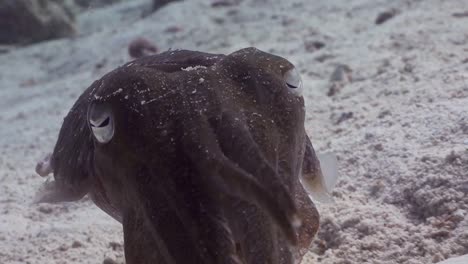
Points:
[(101, 122), (293, 81)]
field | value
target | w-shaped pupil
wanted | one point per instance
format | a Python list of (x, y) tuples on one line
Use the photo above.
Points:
[(105, 122)]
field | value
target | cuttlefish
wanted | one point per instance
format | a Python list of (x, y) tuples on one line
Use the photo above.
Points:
[(200, 157)]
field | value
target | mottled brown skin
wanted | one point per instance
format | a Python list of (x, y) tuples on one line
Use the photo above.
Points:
[(204, 164)]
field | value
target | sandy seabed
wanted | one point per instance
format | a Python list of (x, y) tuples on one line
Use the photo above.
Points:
[(398, 124)]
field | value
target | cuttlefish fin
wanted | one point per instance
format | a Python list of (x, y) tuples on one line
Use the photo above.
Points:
[(53, 192), (319, 174), (321, 185)]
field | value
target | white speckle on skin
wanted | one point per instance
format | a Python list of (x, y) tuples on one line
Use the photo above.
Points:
[(201, 80), (109, 95), (117, 91), (193, 68)]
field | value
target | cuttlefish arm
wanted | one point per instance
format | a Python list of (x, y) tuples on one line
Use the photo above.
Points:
[(99, 197), (264, 187), (177, 221), (319, 174)]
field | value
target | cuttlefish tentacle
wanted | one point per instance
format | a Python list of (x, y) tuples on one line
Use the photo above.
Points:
[(212, 162)]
